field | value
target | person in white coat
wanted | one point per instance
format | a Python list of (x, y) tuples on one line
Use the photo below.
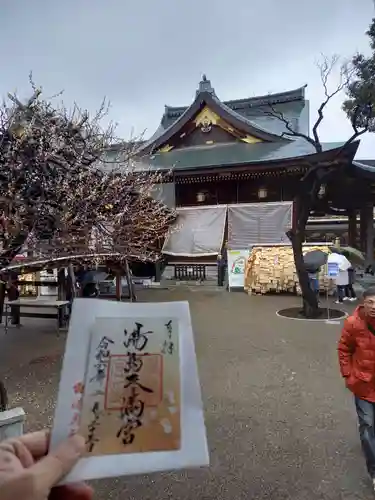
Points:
[(342, 281), (342, 278)]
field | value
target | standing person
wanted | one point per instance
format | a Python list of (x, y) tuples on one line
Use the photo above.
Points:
[(356, 352), (349, 290), (342, 278), (342, 281)]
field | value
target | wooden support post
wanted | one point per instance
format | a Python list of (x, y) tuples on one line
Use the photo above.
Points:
[(61, 284), (352, 226), (129, 280), (2, 298), (61, 293), (157, 271), (370, 234), (362, 229), (118, 286), (13, 294)]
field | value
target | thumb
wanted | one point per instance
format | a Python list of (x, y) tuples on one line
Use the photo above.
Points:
[(49, 471)]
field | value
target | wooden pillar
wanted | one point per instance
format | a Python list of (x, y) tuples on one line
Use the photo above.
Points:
[(118, 286), (294, 215), (157, 271), (2, 296), (61, 293), (352, 234), (13, 294), (362, 229), (370, 234)]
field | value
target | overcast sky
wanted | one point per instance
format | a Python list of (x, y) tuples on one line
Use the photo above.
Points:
[(143, 54)]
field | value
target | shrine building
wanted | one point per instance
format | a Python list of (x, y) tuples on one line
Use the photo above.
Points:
[(232, 169)]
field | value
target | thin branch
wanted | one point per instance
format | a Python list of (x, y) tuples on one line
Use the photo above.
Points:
[(326, 67), (292, 132)]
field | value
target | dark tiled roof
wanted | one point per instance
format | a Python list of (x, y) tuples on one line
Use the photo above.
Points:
[(364, 168), (252, 113), (370, 163), (241, 106), (233, 154)]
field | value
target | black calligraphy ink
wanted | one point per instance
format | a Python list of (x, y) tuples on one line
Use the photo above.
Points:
[(136, 338), (134, 363), (168, 345), (132, 380), (91, 436), (130, 414), (102, 356), (169, 328), (133, 406)]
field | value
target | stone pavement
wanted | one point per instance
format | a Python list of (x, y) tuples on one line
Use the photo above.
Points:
[(280, 423)]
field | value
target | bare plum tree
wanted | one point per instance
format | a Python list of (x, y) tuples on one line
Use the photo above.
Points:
[(63, 191)]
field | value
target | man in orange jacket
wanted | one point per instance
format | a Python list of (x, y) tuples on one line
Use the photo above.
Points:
[(356, 351)]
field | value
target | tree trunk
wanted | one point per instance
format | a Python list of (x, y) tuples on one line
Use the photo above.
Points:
[(2, 299), (132, 296), (118, 286), (72, 280), (14, 294), (310, 307), (3, 397)]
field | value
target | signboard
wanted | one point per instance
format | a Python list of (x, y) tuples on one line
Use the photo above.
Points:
[(237, 260), (332, 269)]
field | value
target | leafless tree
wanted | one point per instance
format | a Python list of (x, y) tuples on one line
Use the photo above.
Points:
[(69, 186), (318, 173)]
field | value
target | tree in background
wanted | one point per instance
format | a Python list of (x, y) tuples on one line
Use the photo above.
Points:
[(361, 88), (320, 173), (61, 196)]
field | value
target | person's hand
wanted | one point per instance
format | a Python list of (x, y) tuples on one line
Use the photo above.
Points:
[(29, 472)]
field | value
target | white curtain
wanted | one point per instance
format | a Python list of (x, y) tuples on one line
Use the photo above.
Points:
[(198, 232), (258, 224)]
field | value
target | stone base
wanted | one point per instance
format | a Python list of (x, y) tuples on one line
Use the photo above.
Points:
[(324, 314)]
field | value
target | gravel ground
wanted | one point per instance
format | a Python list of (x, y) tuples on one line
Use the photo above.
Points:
[(280, 423)]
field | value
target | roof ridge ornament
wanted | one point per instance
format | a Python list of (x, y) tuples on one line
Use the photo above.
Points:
[(205, 86)]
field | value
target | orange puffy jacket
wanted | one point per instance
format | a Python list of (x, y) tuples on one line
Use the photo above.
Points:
[(356, 351)]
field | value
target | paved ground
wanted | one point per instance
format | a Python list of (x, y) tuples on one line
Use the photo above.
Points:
[(280, 423)]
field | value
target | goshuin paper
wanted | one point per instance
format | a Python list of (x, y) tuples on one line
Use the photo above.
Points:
[(131, 402), (130, 386)]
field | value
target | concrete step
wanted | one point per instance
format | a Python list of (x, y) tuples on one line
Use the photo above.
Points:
[(194, 286), (174, 283)]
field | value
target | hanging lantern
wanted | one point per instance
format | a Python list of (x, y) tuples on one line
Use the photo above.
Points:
[(322, 191), (201, 197), (262, 193)]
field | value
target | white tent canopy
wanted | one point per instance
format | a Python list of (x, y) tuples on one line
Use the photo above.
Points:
[(198, 232)]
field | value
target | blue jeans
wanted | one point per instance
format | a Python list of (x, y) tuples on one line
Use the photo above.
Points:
[(340, 292), (366, 420)]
